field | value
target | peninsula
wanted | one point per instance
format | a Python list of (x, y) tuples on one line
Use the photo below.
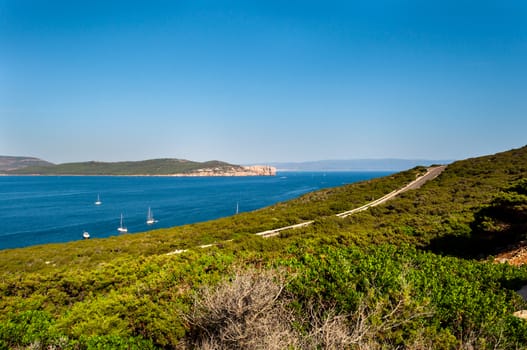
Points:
[(152, 167)]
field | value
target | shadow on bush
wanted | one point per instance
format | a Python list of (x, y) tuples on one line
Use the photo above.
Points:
[(497, 227)]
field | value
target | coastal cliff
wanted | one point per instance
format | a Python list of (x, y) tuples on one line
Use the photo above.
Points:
[(254, 170)]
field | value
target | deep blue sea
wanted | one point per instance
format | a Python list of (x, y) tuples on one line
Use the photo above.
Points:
[(45, 209)]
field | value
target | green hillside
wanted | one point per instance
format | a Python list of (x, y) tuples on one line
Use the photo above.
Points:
[(146, 167), (8, 163), (414, 273)]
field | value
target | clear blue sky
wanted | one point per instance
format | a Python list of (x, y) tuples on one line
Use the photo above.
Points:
[(262, 80)]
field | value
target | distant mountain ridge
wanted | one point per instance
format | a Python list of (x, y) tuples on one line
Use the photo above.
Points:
[(153, 167), (8, 163), (356, 164)]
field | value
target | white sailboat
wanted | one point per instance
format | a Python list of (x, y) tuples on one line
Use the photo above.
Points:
[(85, 235), (98, 201), (150, 217), (121, 228)]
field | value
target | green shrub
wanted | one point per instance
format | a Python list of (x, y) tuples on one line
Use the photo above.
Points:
[(28, 328)]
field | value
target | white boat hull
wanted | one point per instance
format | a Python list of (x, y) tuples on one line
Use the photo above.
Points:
[(150, 218), (121, 228)]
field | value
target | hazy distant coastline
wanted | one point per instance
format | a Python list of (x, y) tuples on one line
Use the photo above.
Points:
[(185, 168), (388, 164), (9, 163)]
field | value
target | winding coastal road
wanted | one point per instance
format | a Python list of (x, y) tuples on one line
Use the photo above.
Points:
[(431, 173)]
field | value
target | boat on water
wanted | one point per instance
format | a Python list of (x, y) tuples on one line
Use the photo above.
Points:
[(98, 201), (85, 235), (121, 228), (150, 217)]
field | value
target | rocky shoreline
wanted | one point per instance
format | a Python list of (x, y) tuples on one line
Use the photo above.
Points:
[(254, 170)]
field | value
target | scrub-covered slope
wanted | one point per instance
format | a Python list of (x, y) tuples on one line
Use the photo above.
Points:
[(404, 274)]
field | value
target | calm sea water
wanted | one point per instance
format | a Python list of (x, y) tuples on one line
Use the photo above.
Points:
[(44, 209)]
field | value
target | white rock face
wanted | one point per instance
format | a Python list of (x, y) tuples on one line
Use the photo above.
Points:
[(261, 170), (254, 170)]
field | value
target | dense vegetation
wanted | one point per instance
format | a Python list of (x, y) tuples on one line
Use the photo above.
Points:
[(503, 222), (404, 274), (146, 167)]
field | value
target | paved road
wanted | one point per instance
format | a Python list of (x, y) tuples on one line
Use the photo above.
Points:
[(276, 231), (431, 174)]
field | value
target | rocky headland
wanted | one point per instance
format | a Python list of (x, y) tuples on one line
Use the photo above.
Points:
[(254, 170)]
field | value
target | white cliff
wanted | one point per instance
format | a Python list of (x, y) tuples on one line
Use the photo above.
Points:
[(253, 170)]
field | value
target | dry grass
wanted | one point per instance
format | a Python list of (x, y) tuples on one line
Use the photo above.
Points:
[(253, 311), (249, 312)]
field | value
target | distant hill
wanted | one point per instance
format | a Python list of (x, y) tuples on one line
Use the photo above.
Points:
[(11, 163), (165, 166), (357, 164)]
